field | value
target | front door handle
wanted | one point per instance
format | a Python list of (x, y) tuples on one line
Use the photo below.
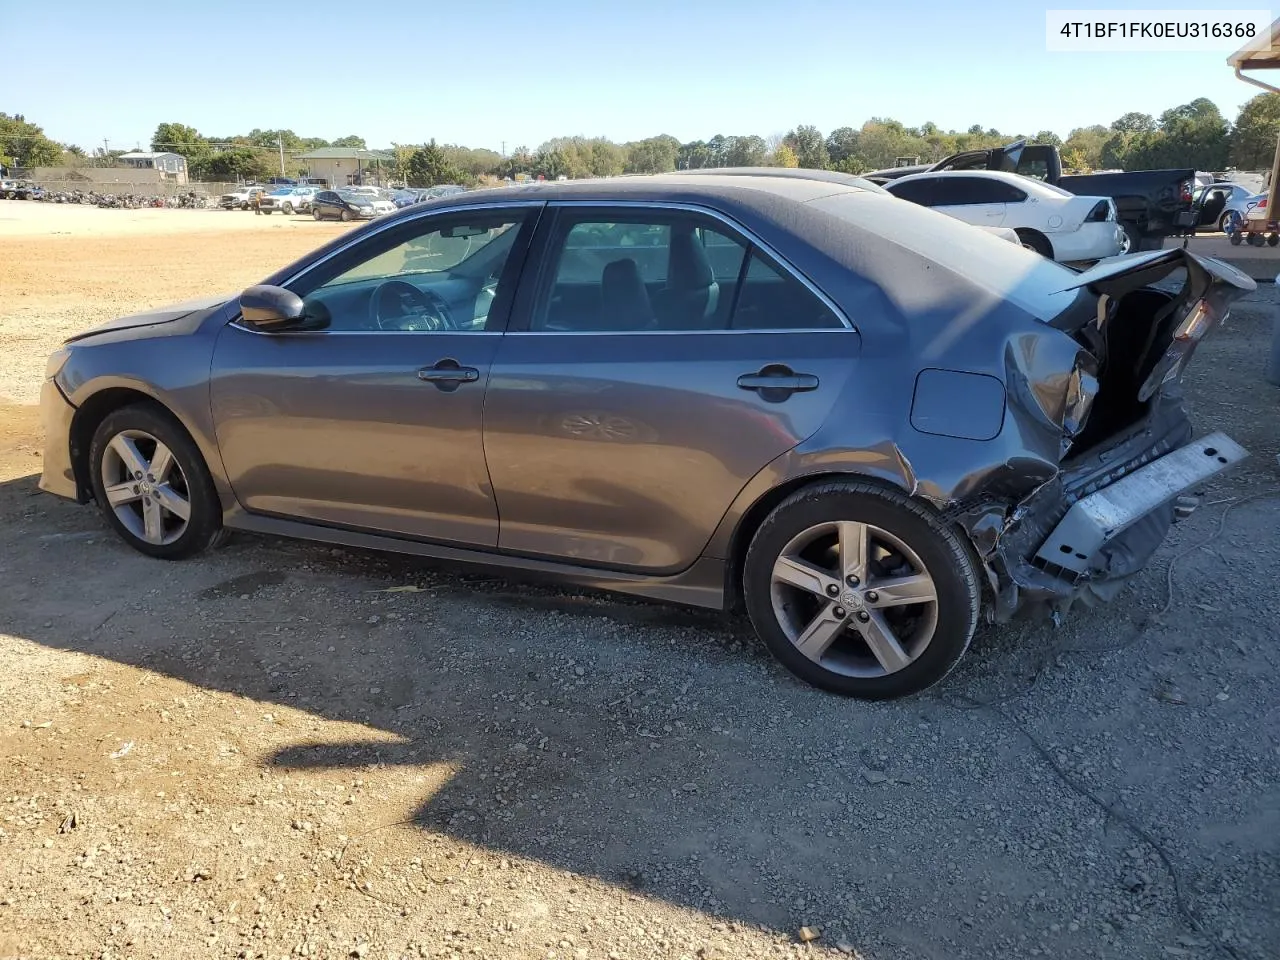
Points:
[(776, 382), (448, 374)]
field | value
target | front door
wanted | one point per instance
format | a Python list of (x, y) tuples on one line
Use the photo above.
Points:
[(663, 362), (375, 422)]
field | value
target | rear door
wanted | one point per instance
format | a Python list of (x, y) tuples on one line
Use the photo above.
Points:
[(658, 358), (971, 199)]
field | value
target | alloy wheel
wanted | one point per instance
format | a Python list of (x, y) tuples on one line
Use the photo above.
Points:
[(145, 487), (854, 599)]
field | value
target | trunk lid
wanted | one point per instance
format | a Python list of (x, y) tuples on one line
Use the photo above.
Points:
[(1137, 337)]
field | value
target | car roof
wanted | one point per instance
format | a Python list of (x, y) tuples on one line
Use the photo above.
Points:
[(706, 187)]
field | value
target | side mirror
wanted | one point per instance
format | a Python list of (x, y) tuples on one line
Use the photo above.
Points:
[(274, 309)]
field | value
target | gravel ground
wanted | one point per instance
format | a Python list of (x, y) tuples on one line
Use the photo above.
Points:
[(285, 750)]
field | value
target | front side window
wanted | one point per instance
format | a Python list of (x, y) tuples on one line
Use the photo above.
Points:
[(666, 272), (447, 273)]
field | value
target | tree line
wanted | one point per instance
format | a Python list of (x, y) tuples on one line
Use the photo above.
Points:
[(1194, 134)]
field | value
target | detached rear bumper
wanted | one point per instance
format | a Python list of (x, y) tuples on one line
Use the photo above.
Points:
[(1076, 542), (1084, 534), (57, 475)]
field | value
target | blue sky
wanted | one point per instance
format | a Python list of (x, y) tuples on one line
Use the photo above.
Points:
[(484, 73)]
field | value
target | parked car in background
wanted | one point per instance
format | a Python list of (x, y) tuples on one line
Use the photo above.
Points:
[(241, 199), (288, 200), (867, 423), (406, 198), (343, 205), (1049, 220), (1150, 204), (18, 190), (1239, 202)]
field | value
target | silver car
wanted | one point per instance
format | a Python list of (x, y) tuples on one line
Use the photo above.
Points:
[(867, 424)]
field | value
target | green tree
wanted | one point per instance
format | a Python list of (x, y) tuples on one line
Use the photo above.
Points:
[(1134, 122), (652, 155), (234, 163), (842, 143), (182, 139), (1089, 142), (24, 144), (785, 156), (520, 161), (746, 151), (1253, 145), (429, 167), (809, 145), (1049, 137), (351, 142)]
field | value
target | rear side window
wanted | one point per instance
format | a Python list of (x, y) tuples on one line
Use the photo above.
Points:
[(666, 272), (963, 190), (917, 191)]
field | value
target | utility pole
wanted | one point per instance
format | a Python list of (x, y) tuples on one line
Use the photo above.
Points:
[(280, 142), (504, 149), (105, 152)]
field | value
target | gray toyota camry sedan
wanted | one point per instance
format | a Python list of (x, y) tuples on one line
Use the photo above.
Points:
[(864, 422)]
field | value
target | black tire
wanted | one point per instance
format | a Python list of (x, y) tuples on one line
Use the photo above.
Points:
[(1038, 242), (945, 556), (1272, 240), (1236, 238), (346, 216), (204, 526), (287, 209), (316, 214)]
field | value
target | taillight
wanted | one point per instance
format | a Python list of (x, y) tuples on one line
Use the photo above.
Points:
[(1186, 191), (1262, 204), (1099, 212)]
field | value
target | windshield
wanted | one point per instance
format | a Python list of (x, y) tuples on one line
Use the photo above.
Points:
[(356, 198)]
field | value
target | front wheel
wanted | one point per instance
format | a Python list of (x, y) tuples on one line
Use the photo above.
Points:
[(861, 591), (152, 484), (315, 213), (287, 209), (346, 215)]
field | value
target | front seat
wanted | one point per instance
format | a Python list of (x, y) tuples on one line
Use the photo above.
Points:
[(624, 301), (691, 295)]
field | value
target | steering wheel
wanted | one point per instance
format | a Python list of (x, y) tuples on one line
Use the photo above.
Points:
[(399, 305)]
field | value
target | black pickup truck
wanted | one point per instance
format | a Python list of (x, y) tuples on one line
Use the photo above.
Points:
[(1152, 204)]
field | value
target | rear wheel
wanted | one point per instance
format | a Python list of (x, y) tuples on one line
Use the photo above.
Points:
[(1132, 240), (152, 484), (287, 209), (1037, 242), (346, 215), (860, 591)]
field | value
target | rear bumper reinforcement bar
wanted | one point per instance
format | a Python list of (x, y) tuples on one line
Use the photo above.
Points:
[(1099, 517)]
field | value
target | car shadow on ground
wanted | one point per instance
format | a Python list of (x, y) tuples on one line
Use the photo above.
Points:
[(655, 747)]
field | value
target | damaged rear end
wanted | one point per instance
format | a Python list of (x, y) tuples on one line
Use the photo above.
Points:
[(1127, 449)]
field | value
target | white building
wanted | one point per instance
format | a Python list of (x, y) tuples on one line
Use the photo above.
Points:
[(172, 166)]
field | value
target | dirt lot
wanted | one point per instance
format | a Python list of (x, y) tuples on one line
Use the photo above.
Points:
[(285, 750)]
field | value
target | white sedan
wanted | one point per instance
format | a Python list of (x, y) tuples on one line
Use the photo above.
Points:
[(1047, 219)]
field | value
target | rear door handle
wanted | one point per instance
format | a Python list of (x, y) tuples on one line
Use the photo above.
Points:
[(776, 381), (447, 374)]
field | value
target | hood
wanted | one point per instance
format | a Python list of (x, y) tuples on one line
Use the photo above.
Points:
[(154, 318)]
